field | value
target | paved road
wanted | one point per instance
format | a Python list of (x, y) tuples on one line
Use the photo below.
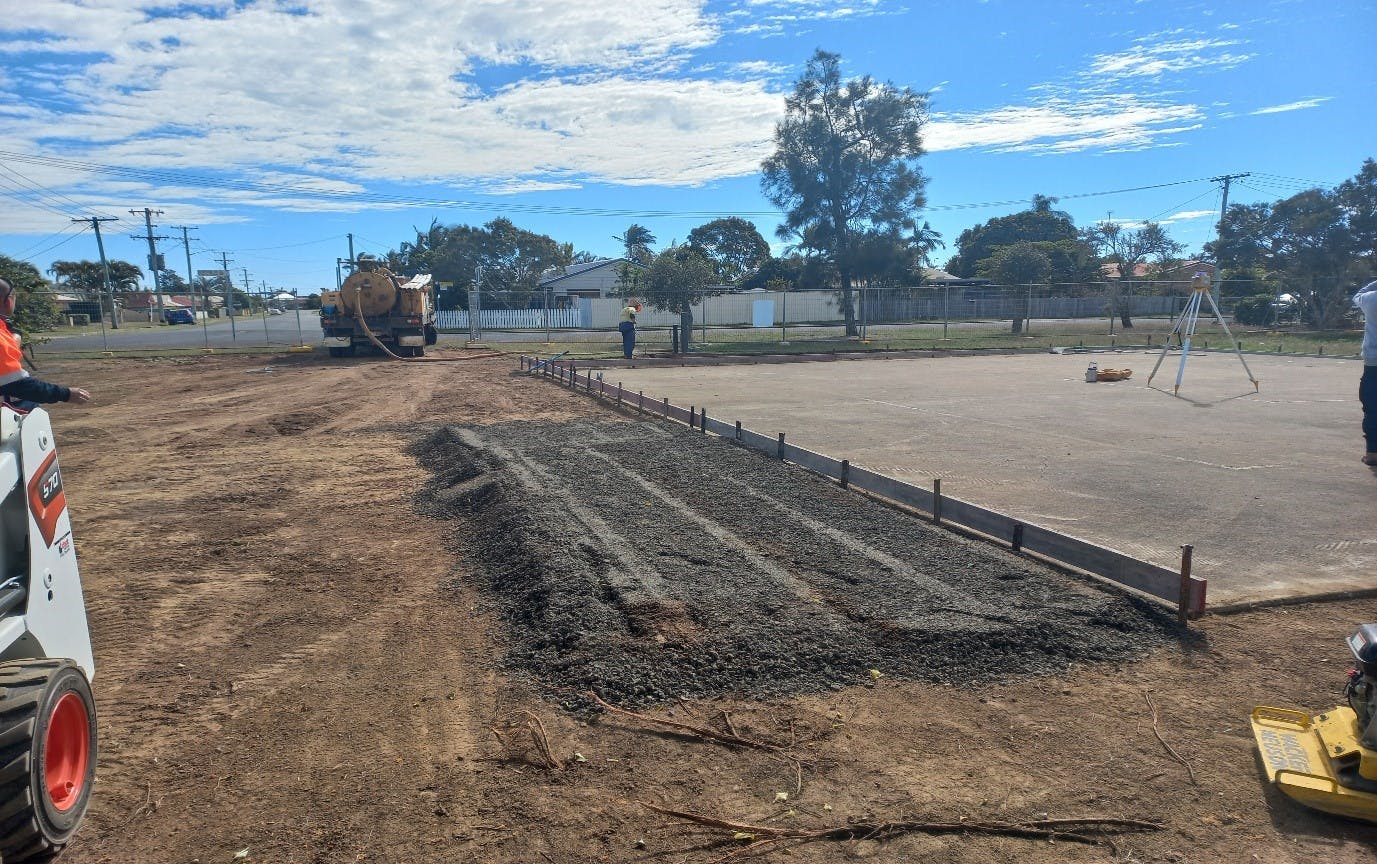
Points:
[(257, 331)]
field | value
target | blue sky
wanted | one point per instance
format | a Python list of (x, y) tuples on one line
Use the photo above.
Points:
[(275, 129)]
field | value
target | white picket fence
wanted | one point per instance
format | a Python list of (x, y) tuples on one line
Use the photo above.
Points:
[(507, 319)]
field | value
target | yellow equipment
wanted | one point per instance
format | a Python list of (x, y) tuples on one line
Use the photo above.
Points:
[(1328, 761)]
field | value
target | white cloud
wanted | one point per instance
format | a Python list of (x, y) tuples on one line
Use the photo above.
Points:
[(1192, 214), (1293, 106), (1062, 125), (1153, 57)]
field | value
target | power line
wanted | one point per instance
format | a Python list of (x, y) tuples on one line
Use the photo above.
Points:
[(43, 189), (28, 255), (510, 206)]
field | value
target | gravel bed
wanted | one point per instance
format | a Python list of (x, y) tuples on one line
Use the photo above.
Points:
[(648, 562)]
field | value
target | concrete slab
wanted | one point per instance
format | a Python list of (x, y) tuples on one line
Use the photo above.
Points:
[(1267, 486)]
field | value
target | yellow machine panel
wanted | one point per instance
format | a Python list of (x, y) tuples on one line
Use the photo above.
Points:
[(1317, 761)]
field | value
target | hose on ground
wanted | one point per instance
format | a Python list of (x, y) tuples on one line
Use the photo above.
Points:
[(367, 331)]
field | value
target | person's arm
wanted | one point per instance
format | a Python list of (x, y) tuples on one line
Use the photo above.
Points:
[(34, 390), (1365, 295)]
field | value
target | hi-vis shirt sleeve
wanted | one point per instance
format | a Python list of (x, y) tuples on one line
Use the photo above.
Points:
[(11, 361)]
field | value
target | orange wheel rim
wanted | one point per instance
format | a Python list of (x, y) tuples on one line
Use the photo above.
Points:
[(67, 751)]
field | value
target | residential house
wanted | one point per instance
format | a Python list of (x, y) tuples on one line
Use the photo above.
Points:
[(593, 279)]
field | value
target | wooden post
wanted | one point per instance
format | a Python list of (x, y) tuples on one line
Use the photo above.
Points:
[(573, 376), (1017, 542), (693, 416), (703, 421), (937, 500), (666, 408), (619, 394), (845, 473), (781, 446), (1183, 605), (640, 401), (738, 430)]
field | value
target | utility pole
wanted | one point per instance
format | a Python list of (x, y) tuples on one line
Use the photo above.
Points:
[(1219, 234), (263, 284), (191, 285), (105, 268), (229, 294), (153, 257)]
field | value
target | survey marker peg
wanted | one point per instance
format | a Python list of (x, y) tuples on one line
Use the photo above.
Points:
[(1184, 329)]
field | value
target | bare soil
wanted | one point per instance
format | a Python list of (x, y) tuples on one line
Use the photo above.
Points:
[(351, 610)]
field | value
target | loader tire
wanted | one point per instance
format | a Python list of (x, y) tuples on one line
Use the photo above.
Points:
[(47, 756)]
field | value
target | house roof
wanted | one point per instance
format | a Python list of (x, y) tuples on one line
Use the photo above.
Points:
[(1111, 271), (550, 277)]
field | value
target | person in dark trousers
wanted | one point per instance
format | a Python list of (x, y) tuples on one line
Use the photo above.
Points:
[(1366, 300), (17, 388), (627, 326)]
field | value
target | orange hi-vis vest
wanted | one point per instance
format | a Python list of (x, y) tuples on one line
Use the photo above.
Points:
[(11, 360)]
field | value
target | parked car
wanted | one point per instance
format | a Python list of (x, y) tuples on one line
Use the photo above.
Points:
[(179, 316), (273, 310)]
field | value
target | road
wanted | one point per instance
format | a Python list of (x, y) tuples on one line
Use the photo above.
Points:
[(291, 328)]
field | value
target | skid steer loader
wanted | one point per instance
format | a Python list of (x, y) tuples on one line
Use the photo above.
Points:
[(47, 715)]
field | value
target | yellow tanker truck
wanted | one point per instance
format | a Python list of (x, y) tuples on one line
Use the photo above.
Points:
[(373, 300)]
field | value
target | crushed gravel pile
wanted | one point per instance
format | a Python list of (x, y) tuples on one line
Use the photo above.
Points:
[(647, 562)]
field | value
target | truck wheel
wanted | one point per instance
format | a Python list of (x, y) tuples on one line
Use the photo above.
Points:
[(47, 755), (432, 335)]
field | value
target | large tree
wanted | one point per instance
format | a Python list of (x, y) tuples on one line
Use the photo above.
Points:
[(509, 260), (676, 280), (1071, 259), (89, 277), (34, 308), (636, 240), (733, 245), (1129, 249), (1021, 263), (1318, 245), (845, 164)]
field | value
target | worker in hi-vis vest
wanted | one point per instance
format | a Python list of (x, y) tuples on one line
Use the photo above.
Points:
[(627, 326), (17, 388)]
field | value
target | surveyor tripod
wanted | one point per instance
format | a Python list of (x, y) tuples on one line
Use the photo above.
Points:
[(1185, 329)]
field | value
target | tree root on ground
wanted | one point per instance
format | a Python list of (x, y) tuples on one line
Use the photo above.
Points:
[(760, 838)]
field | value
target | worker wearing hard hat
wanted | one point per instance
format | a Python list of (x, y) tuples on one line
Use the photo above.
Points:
[(17, 387), (627, 326)]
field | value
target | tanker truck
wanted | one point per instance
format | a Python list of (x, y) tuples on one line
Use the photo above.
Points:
[(400, 315)]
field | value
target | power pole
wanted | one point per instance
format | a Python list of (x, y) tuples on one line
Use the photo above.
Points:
[(153, 257), (105, 268), (1219, 234), (229, 294), (191, 286)]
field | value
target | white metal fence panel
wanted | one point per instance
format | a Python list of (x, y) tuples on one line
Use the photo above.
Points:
[(508, 319)]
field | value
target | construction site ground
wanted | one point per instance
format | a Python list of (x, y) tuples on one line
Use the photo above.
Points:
[(1267, 485), (353, 610)]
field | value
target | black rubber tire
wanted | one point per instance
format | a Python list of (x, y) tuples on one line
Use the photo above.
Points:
[(432, 335), (336, 351), (30, 824)]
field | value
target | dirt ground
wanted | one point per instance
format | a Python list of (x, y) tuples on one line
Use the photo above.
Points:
[(347, 610)]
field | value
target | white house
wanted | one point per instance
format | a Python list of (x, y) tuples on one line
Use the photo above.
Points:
[(591, 279)]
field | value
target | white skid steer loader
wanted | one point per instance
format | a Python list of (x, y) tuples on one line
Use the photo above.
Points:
[(47, 714)]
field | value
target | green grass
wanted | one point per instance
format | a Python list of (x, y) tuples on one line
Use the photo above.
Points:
[(963, 336)]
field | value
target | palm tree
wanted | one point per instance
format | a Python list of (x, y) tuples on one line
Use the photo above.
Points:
[(636, 240)]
